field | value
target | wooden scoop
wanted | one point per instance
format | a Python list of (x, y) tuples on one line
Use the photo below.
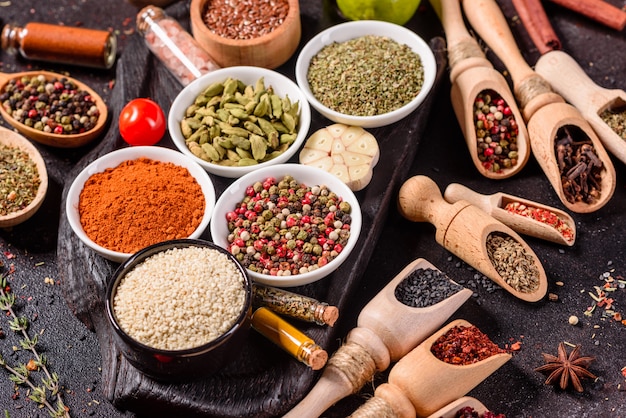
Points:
[(52, 139), (471, 74), (545, 111), (450, 410), (420, 384), (463, 229), (496, 203), (386, 331), (571, 82)]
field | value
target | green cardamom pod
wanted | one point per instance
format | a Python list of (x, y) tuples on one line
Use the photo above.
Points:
[(288, 138), (277, 106), (235, 130), (232, 155), (244, 162), (220, 150), (243, 153), (250, 106), (211, 152), (280, 127), (230, 87), (259, 86), (241, 99), (273, 140), (213, 89), (266, 126), (289, 122), (239, 113), (258, 147), (253, 128), (223, 115), (240, 142), (185, 129), (262, 108), (286, 103), (191, 110), (195, 137), (249, 92), (224, 142)]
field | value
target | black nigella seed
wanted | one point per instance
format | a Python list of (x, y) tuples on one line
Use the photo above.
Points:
[(425, 287)]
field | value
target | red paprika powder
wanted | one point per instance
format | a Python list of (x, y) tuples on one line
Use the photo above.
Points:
[(139, 203)]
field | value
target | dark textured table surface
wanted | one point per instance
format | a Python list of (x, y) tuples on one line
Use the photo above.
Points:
[(515, 389)]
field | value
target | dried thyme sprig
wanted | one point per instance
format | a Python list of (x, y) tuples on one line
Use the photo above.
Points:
[(49, 392)]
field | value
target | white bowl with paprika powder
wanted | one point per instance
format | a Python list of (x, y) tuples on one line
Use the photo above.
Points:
[(289, 232), (135, 197), (366, 73)]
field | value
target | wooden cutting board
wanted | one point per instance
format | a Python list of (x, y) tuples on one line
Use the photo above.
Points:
[(263, 381)]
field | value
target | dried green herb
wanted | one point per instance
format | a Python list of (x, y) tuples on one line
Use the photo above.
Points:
[(19, 180), (616, 119), (366, 76)]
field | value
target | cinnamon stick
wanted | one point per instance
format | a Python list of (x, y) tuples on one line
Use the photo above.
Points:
[(597, 10), (537, 24)]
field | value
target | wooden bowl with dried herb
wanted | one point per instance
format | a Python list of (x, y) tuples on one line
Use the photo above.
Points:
[(23, 179), (366, 73)]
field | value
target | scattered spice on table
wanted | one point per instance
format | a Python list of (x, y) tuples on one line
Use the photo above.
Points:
[(283, 227), (566, 369), (510, 259), (366, 76), (425, 287), (19, 180), (463, 345), (604, 297), (244, 19), (469, 412), (579, 165), (56, 105), (295, 305), (542, 215), (140, 202), (496, 132), (616, 120)]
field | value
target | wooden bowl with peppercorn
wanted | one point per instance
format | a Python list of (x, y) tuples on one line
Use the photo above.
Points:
[(60, 111), (288, 224), (24, 179), (366, 73), (253, 33)]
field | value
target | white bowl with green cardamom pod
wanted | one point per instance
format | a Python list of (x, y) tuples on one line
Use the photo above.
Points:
[(238, 119), (366, 73)]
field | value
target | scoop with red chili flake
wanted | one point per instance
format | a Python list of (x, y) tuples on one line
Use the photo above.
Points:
[(464, 345), (542, 215), (284, 228)]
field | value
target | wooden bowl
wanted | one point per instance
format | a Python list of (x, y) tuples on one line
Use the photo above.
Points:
[(268, 51), (15, 140)]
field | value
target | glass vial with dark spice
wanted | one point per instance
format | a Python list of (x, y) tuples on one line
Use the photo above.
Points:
[(60, 44)]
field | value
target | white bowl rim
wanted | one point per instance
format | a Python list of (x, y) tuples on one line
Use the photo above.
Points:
[(186, 96), (350, 30), (114, 158), (341, 189)]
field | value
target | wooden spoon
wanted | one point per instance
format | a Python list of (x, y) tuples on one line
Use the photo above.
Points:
[(463, 229), (571, 82), (14, 140), (496, 203), (471, 74), (52, 139), (386, 331), (545, 111), (420, 384)]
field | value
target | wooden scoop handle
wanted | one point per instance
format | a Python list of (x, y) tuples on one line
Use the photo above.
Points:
[(455, 192), (488, 21), (563, 72)]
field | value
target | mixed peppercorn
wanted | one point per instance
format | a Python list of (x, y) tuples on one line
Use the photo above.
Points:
[(56, 106), (283, 227), (496, 132)]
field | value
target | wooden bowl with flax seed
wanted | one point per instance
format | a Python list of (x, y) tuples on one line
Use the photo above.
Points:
[(251, 32)]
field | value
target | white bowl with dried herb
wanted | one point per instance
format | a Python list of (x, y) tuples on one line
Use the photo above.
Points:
[(238, 119), (366, 73)]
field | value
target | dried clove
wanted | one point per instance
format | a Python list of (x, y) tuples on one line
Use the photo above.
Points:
[(579, 165)]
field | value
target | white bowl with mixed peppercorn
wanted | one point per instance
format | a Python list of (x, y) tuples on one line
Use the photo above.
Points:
[(287, 224), (366, 73), (238, 119)]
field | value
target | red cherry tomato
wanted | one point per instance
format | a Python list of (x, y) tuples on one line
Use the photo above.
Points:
[(142, 122)]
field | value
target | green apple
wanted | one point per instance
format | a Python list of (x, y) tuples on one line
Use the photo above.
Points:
[(395, 11)]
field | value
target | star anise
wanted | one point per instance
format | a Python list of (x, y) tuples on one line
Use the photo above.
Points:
[(565, 369)]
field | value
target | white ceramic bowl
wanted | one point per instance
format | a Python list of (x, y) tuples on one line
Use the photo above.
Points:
[(310, 176), (113, 159), (249, 75), (354, 29)]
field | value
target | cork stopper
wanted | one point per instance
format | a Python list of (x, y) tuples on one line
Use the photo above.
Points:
[(329, 315), (317, 358)]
